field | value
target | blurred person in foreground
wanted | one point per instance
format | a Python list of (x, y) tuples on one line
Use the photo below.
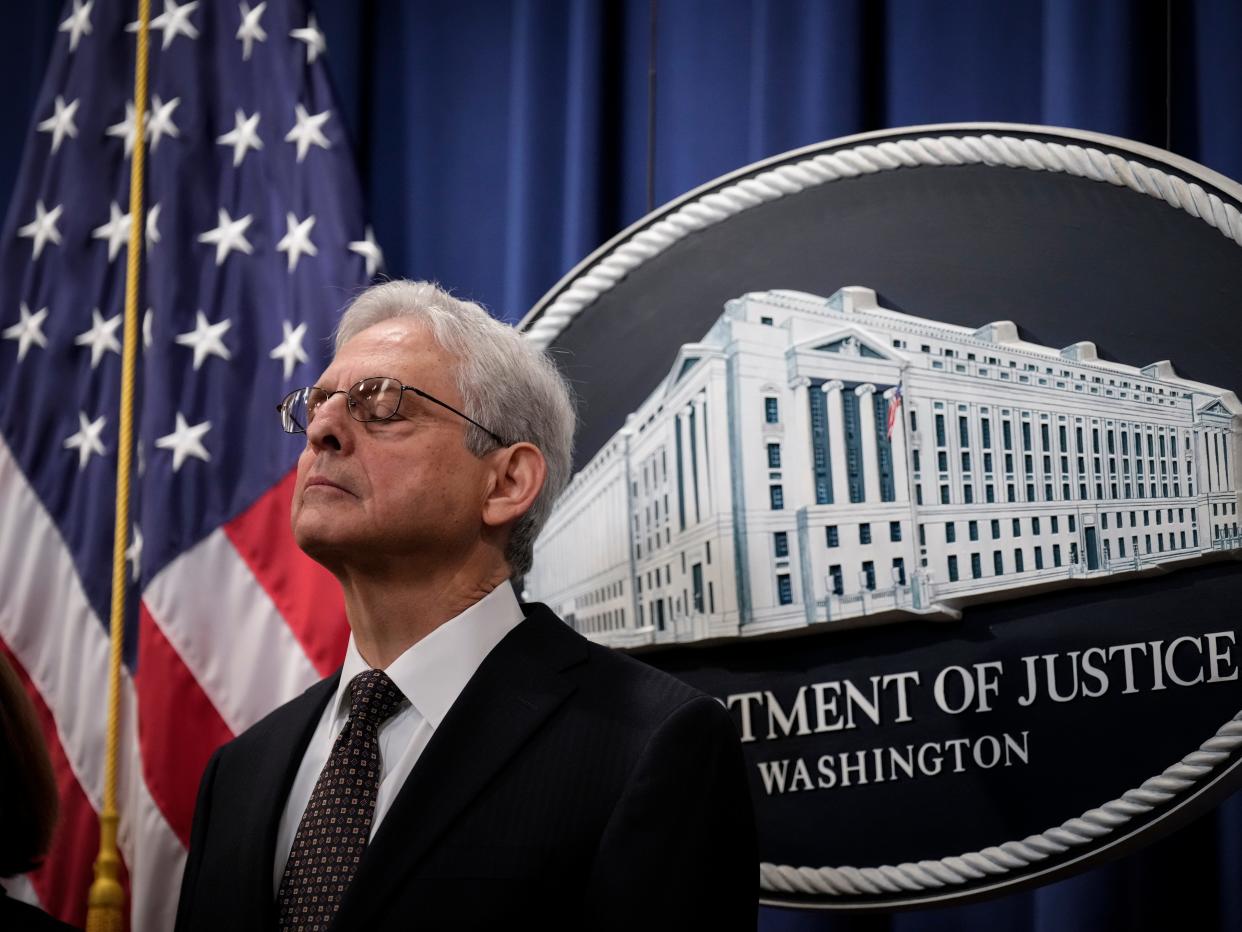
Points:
[(28, 802), (475, 764)]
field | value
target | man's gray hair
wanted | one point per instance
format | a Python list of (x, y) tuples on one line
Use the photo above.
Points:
[(506, 384)]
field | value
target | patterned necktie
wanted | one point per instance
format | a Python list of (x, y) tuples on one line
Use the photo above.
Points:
[(337, 822)]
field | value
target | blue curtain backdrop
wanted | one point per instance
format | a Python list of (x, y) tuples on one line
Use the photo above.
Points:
[(500, 142)]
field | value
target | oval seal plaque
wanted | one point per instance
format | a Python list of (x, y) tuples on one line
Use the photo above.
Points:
[(919, 451)]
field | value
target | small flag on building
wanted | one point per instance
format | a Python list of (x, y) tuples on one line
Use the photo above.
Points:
[(893, 405)]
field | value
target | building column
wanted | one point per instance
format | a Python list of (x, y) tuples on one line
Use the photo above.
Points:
[(797, 463), (901, 467), (836, 441), (871, 457), (689, 461), (700, 422)]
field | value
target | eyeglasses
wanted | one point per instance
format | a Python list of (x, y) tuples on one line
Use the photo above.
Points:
[(372, 399)]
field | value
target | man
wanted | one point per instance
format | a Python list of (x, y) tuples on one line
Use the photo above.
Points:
[(476, 764)]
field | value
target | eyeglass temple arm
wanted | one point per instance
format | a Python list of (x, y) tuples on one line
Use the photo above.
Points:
[(422, 394)]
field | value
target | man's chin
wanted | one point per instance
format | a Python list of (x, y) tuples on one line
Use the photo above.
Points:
[(324, 545)]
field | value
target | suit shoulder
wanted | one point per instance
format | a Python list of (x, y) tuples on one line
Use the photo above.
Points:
[(294, 715), (631, 689)]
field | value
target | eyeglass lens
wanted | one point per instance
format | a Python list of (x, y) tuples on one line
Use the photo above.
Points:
[(373, 399)]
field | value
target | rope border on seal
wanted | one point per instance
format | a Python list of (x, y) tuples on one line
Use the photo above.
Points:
[(987, 149), (1092, 825)]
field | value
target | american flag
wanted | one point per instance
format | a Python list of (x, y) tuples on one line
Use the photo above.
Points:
[(255, 237), (893, 407)]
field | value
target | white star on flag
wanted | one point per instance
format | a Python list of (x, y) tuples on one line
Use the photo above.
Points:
[(101, 338), (160, 123), (369, 250), (243, 137), (296, 240), (290, 350), (115, 231), (133, 553), (78, 24), (153, 226), (229, 234), (125, 129), (60, 124), (205, 339), (310, 34), (250, 31), (43, 227), (28, 331), (173, 22), (308, 131), (86, 441), (185, 441), (147, 319)]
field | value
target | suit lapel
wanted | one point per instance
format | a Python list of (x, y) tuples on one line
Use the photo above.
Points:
[(514, 691), (274, 764)]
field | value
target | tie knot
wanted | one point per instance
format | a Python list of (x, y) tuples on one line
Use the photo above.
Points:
[(373, 697)]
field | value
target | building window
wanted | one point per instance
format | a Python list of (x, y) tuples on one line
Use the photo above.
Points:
[(996, 529), (771, 411), (1019, 564), (976, 566), (1056, 554), (940, 441), (1039, 558), (998, 563), (868, 569), (894, 530), (973, 528), (944, 495), (774, 456), (1072, 523), (838, 579), (952, 568), (784, 588), (781, 540), (777, 496), (834, 538), (1017, 527), (899, 571), (765, 321), (864, 533), (1053, 521), (950, 532)]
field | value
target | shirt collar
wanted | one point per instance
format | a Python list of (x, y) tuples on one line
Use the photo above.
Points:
[(432, 673)]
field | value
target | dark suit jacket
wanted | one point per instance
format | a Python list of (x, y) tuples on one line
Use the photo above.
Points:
[(569, 787)]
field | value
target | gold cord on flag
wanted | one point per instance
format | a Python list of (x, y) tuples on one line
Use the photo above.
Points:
[(106, 905)]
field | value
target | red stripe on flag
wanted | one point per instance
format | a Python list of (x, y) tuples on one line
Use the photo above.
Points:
[(178, 727), (306, 594), (64, 879)]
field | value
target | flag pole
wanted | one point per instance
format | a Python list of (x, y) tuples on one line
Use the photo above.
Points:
[(106, 903)]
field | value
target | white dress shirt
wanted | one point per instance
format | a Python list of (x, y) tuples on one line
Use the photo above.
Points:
[(431, 675)]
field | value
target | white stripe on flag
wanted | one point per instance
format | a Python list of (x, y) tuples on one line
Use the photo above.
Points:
[(47, 621), (228, 632)]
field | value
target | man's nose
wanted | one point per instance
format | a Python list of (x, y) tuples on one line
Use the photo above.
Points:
[(332, 426)]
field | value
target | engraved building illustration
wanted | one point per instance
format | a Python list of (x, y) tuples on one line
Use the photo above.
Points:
[(815, 461)]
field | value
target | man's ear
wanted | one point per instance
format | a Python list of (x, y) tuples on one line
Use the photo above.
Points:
[(519, 472)]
